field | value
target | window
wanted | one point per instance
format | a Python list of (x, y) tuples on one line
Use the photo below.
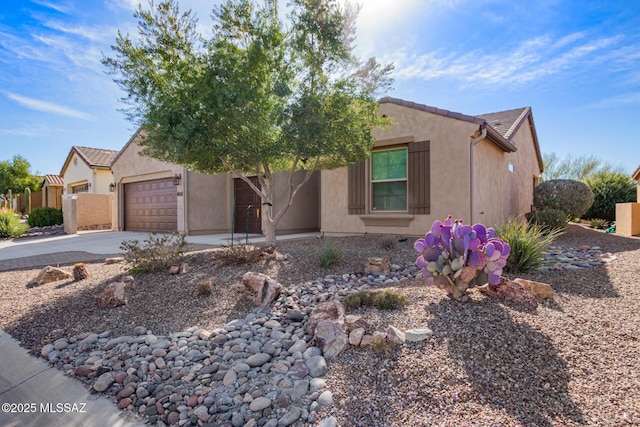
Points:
[(389, 180), (82, 188), (512, 168)]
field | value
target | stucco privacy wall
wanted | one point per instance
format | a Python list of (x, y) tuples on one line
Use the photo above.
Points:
[(304, 212), (449, 173), (87, 211), (502, 192), (207, 203)]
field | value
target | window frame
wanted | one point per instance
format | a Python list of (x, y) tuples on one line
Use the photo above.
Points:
[(371, 209)]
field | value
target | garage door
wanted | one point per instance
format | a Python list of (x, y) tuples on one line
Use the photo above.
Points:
[(151, 206)]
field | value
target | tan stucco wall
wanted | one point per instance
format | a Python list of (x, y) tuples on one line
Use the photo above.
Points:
[(628, 219), (86, 211), (449, 159), (498, 193), (130, 167), (52, 196), (304, 212), (208, 203)]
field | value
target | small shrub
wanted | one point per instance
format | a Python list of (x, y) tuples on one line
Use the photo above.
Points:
[(204, 288), (329, 255), (10, 224), (527, 242), (155, 253), (599, 223), (387, 243), (380, 344), (239, 254), (548, 219), (44, 217), (383, 300), (572, 197)]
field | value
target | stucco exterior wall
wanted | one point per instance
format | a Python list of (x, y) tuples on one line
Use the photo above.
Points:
[(87, 211), (79, 172), (304, 213), (52, 196), (449, 174), (208, 203), (628, 219), (130, 167)]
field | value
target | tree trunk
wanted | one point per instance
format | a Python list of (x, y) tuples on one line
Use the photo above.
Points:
[(269, 231)]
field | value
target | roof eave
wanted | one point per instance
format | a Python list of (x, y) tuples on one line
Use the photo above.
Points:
[(495, 137), (636, 174)]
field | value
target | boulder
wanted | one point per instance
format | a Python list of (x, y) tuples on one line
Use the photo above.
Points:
[(378, 265), (52, 274), (355, 337), (332, 311), (508, 289), (261, 288), (114, 260), (353, 321), (330, 338), (395, 335), (537, 289), (115, 294)]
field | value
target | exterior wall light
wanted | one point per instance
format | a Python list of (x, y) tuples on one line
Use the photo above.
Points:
[(176, 179)]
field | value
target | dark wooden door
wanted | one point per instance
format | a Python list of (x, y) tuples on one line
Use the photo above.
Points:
[(247, 207)]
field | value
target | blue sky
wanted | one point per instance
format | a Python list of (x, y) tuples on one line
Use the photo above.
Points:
[(576, 63)]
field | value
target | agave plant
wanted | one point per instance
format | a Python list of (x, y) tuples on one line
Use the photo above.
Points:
[(455, 257)]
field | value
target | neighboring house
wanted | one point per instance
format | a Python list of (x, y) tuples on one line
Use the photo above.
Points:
[(636, 177), (432, 163), (156, 196), (87, 170), (87, 203), (52, 186)]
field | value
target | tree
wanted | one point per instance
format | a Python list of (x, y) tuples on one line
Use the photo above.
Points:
[(608, 189), (15, 175), (256, 98)]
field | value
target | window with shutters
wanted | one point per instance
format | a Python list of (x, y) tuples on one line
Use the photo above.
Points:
[(389, 180), (394, 179)]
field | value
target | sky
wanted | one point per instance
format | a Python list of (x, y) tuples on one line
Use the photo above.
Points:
[(575, 63)]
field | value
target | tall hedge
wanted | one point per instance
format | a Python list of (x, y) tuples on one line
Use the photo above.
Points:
[(609, 189), (572, 197)]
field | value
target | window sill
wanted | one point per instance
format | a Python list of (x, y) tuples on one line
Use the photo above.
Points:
[(386, 220)]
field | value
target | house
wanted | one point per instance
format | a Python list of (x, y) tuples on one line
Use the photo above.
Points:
[(156, 196), (87, 201), (628, 214), (432, 163), (52, 186)]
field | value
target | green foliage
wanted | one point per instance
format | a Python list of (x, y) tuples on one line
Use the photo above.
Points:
[(154, 253), (576, 168), (10, 224), (609, 189), (261, 95), (329, 255), (572, 197), (548, 219), (599, 223), (44, 217), (384, 300), (15, 175), (528, 243)]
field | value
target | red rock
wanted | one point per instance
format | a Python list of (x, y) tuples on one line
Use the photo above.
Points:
[(52, 274), (114, 295), (537, 289), (510, 290), (261, 288), (192, 400), (124, 403), (82, 371), (332, 311)]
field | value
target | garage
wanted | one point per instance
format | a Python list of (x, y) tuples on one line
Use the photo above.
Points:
[(151, 206)]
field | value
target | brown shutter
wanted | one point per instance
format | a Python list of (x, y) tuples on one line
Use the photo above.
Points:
[(419, 178), (356, 188)]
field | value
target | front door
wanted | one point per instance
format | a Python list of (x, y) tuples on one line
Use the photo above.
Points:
[(247, 216)]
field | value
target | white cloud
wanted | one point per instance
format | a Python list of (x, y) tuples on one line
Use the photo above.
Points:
[(48, 107), (616, 101), (62, 7)]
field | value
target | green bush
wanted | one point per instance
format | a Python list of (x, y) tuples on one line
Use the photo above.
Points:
[(548, 219), (528, 242), (44, 217), (155, 253), (599, 224), (329, 255), (572, 197), (10, 224), (384, 300), (608, 189)]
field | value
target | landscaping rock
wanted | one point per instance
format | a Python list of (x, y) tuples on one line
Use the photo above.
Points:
[(395, 335), (115, 294), (262, 289), (415, 335), (537, 289), (52, 274), (377, 265)]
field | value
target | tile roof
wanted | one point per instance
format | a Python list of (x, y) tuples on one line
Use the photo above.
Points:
[(96, 157), (53, 179), (506, 122)]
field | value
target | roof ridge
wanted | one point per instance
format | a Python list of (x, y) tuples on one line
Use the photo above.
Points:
[(516, 123)]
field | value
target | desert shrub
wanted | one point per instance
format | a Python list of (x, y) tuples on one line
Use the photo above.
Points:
[(609, 189), (44, 217), (154, 253), (548, 219), (387, 243), (599, 223), (329, 255), (204, 288), (239, 254), (528, 242), (10, 224), (572, 197), (380, 344), (384, 300)]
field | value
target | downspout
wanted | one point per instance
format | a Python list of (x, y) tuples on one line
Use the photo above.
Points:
[(472, 170)]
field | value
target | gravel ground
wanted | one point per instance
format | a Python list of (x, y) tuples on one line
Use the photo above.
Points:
[(572, 361)]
